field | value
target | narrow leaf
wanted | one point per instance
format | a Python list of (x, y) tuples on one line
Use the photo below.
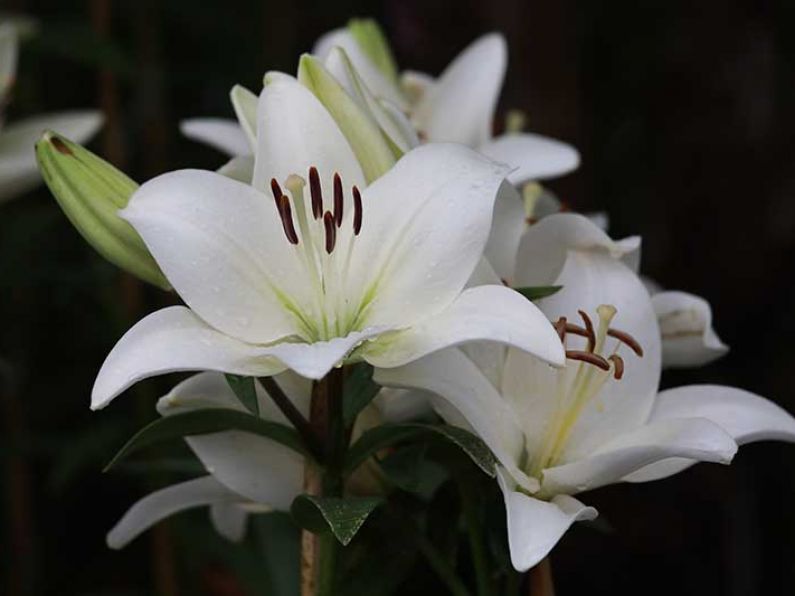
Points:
[(387, 435), (245, 391), (344, 517), (360, 390), (202, 422), (538, 292)]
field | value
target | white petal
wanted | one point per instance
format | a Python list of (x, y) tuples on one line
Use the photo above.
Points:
[(221, 245), (507, 227), (380, 85), (459, 108), (18, 169), (453, 377), (415, 84), (245, 104), (240, 168), (425, 224), (162, 503), (745, 416), (686, 327), (536, 526), (219, 133), (533, 156), (174, 339), (294, 133), (250, 465), (693, 438), (401, 405), (229, 520), (484, 313)]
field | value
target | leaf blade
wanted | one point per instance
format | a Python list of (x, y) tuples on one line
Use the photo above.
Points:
[(343, 516)]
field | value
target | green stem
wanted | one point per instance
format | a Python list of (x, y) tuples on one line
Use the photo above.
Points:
[(477, 544)]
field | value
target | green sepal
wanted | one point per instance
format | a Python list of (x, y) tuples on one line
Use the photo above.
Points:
[(206, 421), (360, 129), (343, 516), (91, 192)]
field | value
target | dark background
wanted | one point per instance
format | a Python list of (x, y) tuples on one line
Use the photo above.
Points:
[(683, 113)]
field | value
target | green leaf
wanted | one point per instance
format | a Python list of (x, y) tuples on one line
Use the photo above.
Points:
[(387, 435), (411, 470), (360, 390), (372, 41), (538, 292), (91, 192), (343, 517), (205, 421), (246, 392)]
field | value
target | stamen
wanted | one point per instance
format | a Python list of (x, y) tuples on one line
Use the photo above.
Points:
[(316, 193), (337, 199), (618, 366), (357, 211), (628, 340), (589, 332), (331, 231), (286, 213), (277, 192), (589, 358), (561, 327)]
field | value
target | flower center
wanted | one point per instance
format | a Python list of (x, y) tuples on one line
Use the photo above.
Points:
[(579, 385), (324, 247)]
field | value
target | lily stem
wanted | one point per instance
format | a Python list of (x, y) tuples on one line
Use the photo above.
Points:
[(477, 544), (286, 406), (541, 583)]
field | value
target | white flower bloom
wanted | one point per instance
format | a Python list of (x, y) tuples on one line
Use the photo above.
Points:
[(328, 273), (599, 420), (456, 107), (18, 170)]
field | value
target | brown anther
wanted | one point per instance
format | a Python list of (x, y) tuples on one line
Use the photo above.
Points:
[(628, 340), (576, 330), (331, 231), (560, 327), (588, 329), (277, 194), (60, 146), (357, 211), (316, 193), (530, 220), (589, 358), (618, 366), (286, 213), (337, 199)]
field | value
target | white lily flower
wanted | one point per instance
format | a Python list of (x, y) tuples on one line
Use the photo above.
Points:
[(18, 169), (328, 274), (599, 420), (456, 107)]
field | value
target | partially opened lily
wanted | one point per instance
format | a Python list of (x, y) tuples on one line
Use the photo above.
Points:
[(599, 420), (308, 268), (458, 106), (18, 169)]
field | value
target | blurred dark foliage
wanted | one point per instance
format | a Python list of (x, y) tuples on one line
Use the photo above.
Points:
[(683, 114)]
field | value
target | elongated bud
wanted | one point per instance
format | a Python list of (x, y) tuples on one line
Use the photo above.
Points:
[(360, 129), (372, 41), (91, 192)]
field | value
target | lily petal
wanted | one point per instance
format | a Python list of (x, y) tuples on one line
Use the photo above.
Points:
[(252, 466), (533, 156), (18, 169), (163, 503), (221, 245), (693, 438), (459, 107), (425, 224), (240, 168), (747, 417), (245, 104), (507, 226), (295, 132), (219, 133), (453, 377), (686, 327), (229, 520), (536, 526), (484, 313)]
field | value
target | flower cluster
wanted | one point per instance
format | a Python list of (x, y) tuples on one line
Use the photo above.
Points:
[(369, 220)]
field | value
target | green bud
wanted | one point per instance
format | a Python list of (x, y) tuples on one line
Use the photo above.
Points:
[(360, 129), (91, 192), (374, 44)]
